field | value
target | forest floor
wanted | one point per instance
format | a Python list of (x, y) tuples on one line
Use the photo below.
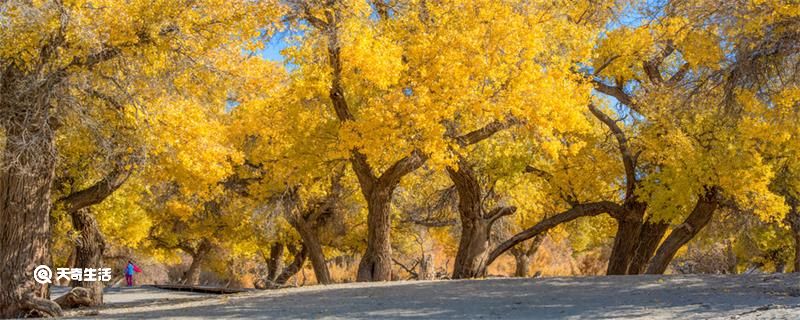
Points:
[(765, 296)]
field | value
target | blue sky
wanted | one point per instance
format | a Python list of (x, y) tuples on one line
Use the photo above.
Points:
[(272, 50)]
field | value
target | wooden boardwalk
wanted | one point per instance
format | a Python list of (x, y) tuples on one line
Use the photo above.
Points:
[(201, 289)]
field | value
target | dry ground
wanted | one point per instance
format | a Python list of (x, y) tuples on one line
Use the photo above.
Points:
[(615, 297)]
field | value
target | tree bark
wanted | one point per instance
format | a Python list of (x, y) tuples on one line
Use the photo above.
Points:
[(90, 245), (696, 221), (89, 249), (521, 265), (426, 267), (312, 244), (376, 264), (426, 270), (294, 267), (473, 244), (577, 211), (629, 226), (26, 175), (75, 298), (649, 239), (473, 249), (523, 255), (476, 225), (793, 219), (275, 265), (199, 255)]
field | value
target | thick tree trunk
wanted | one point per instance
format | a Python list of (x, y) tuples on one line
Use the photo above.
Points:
[(275, 265), (294, 267), (521, 265), (793, 218), (26, 175), (624, 243), (473, 244), (314, 248), (199, 255), (649, 239), (476, 225), (696, 221), (473, 249), (629, 226), (376, 264), (89, 249), (192, 275)]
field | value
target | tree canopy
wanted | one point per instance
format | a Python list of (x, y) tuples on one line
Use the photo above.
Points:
[(448, 133)]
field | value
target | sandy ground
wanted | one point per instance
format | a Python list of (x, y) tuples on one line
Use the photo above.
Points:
[(614, 297)]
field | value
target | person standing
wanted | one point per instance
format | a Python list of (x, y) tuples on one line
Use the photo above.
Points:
[(130, 269)]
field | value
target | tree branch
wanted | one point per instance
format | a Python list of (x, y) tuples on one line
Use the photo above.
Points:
[(402, 167), (538, 172), (652, 67), (616, 92), (410, 270), (581, 210), (485, 132), (499, 212), (97, 192), (678, 76), (628, 159)]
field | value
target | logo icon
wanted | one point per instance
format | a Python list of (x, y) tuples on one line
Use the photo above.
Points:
[(42, 274)]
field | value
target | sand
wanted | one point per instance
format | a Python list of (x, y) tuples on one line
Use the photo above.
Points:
[(611, 297)]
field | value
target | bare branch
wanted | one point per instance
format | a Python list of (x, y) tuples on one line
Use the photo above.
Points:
[(539, 172), (616, 92), (628, 159), (499, 212), (486, 131), (581, 210)]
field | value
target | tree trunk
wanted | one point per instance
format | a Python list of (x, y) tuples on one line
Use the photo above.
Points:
[(192, 275), (89, 249), (696, 221), (26, 175), (294, 267), (473, 249), (312, 245), (473, 245), (275, 265), (376, 264), (624, 243), (426, 268), (523, 256), (629, 226), (522, 264), (794, 222), (649, 239)]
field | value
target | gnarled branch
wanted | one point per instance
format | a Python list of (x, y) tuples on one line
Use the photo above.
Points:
[(97, 192), (581, 210)]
